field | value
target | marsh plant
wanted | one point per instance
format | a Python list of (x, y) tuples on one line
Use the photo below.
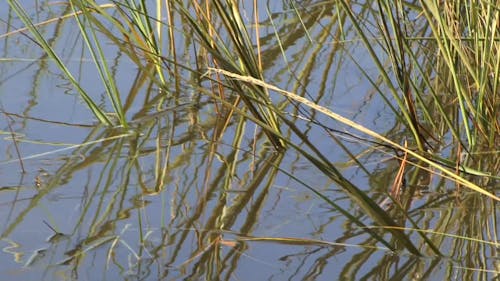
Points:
[(324, 130)]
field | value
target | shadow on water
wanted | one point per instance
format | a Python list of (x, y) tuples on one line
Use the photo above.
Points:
[(212, 178)]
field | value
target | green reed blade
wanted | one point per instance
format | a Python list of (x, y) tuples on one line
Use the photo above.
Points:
[(98, 113)]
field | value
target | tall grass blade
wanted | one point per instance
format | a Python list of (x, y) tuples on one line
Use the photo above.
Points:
[(362, 129), (256, 98), (99, 59), (372, 209), (98, 113)]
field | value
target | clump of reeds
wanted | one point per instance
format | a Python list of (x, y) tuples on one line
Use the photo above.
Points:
[(438, 69)]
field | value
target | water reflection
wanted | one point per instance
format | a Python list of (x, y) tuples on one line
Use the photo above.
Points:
[(194, 190)]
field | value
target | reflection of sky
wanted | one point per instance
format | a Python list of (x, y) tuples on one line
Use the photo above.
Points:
[(37, 89), (290, 212)]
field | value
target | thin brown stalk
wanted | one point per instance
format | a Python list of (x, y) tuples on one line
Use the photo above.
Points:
[(13, 136)]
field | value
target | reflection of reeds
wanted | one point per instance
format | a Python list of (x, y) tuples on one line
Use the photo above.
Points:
[(436, 72)]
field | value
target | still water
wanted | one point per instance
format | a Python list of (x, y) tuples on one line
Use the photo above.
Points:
[(184, 195)]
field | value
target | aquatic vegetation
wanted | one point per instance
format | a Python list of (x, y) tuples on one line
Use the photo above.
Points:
[(317, 129)]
